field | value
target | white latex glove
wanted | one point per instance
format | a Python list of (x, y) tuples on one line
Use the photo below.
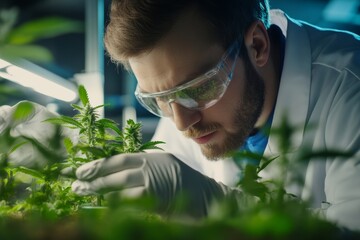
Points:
[(31, 126), (160, 175)]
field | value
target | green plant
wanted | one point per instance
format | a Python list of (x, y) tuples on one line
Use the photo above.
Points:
[(49, 193), (6, 174), (8, 144), (99, 138), (94, 139), (275, 216), (279, 214), (273, 191)]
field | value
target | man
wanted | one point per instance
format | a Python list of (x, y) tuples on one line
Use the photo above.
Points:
[(217, 72)]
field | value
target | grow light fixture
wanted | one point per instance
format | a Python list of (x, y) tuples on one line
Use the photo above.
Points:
[(40, 80)]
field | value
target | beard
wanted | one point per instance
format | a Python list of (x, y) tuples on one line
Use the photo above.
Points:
[(246, 114)]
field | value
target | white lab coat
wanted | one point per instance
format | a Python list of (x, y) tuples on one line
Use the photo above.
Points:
[(320, 88)]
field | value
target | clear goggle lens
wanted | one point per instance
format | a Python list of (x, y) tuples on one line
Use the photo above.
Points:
[(200, 93)]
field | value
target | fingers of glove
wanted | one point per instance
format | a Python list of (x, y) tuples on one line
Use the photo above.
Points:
[(129, 178), (83, 188), (103, 167), (68, 172)]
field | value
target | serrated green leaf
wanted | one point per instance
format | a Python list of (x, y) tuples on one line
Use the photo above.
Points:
[(23, 110), (64, 120), (31, 172), (64, 165), (255, 188), (68, 144), (249, 183), (83, 95), (130, 122), (99, 106), (151, 145), (55, 167), (109, 138), (79, 116), (77, 107), (107, 123), (264, 164), (97, 152)]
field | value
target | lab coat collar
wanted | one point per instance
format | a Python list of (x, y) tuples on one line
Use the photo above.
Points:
[(294, 90)]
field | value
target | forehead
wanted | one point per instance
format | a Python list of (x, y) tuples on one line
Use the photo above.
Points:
[(188, 50)]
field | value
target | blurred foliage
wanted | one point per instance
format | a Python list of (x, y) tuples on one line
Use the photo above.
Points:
[(129, 220), (49, 192), (18, 41), (51, 211)]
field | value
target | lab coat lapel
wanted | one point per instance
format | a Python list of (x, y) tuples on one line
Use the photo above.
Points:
[(294, 90)]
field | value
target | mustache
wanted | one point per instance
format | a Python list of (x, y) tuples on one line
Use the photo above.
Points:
[(200, 130)]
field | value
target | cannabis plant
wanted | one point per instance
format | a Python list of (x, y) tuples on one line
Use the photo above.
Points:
[(8, 145), (48, 191), (99, 137), (38, 190)]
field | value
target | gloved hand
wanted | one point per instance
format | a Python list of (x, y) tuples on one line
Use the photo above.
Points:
[(31, 126), (160, 175)]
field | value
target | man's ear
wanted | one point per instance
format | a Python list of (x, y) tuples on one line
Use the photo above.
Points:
[(257, 42)]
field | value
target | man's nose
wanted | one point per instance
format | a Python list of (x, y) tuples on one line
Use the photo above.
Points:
[(184, 117)]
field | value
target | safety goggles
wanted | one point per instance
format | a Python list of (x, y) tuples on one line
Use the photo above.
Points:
[(197, 94)]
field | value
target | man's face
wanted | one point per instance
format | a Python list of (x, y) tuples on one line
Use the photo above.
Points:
[(188, 51), (234, 116)]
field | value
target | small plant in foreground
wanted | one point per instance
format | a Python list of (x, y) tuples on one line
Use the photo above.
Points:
[(99, 138), (49, 192), (274, 216)]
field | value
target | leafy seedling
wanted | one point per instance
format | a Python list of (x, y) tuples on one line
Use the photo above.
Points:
[(99, 137)]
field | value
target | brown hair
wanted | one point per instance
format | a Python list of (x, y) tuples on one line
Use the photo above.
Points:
[(136, 26)]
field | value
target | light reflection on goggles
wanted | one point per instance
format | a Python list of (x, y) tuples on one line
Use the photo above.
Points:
[(197, 94)]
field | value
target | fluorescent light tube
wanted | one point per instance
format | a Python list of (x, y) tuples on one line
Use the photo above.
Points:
[(40, 80)]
